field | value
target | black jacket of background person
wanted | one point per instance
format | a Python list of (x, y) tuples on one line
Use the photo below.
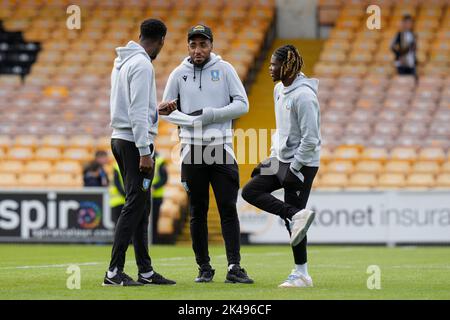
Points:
[(396, 47), (95, 176)]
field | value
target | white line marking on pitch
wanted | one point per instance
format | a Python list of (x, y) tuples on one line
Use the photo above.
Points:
[(52, 266), (64, 265)]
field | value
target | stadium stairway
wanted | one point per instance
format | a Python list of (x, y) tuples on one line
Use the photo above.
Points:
[(260, 116)]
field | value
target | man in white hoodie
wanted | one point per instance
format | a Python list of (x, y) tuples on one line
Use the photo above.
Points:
[(294, 159), (209, 95), (134, 119)]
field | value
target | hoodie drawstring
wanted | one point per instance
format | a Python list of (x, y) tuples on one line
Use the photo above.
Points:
[(201, 70)]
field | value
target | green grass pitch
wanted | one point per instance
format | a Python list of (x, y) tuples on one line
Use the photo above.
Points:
[(339, 272)]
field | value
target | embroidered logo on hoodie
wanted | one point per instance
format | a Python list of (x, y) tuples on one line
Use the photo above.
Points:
[(215, 75)]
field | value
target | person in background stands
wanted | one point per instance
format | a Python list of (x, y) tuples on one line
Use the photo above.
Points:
[(94, 174), (404, 47)]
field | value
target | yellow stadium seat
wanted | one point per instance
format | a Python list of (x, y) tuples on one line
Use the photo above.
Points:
[(445, 168), (340, 166), (11, 166), (380, 154), (8, 179), (165, 226), (420, 180), (5, 141), (391, 181), (326, 69), (333, 56), (383, 57), (403, 153), (176, 193), (56, 92), (360, 57), (57, 141), (397, 166), (62, 180), (368, 166), (71, 167), (325, 155), (443, 181), (19, 153), (10, 81), (174, 177), (346, 153), (426, 167), (82, 141), (31, 180), (48, 153), (26, 141), (78, 154), (333, 181), (170, 209), (104, 143), (173, 169), (433, 154), (363, 181), (38, 166)]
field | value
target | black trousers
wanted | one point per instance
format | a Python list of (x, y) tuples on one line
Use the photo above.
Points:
[(156, 205), (258, 193), (202, 166), (115, 213), (406, 71), (133, 221)]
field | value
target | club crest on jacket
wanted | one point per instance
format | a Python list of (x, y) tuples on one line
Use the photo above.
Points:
[(215, 75)]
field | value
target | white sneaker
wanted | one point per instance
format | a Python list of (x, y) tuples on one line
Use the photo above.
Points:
[(297, 280), (300, 224)]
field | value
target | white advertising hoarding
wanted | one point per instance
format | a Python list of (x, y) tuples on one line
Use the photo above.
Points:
[(359, 217)]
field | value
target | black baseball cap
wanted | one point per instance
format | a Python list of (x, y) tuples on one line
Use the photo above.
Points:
[(200, 30)]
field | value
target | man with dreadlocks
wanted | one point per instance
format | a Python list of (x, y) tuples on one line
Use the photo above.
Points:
[(294, 159)]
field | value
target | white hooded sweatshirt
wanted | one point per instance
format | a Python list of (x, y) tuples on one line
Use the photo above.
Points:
[(134, 114), (214, 88), (297, 137)]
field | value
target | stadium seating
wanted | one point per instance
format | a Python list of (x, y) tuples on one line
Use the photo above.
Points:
[(52, 124), (380, 130), (387, 125)]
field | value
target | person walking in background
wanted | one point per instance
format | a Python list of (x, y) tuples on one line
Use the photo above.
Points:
[(134, 119), (94, 174), (404, 47), (159, 181), (294, 158)]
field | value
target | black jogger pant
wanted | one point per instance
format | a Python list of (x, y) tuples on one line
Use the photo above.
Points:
[(133, 221), (115, 213), (202, 166), (258, 193)]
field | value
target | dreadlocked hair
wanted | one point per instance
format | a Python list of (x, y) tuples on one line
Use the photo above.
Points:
[(292, 61)]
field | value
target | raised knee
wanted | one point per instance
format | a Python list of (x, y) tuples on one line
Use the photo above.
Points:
[(247, 194)]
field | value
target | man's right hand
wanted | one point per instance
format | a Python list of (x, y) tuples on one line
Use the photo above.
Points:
[(263, 164), (146, 164), (167, 107)]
